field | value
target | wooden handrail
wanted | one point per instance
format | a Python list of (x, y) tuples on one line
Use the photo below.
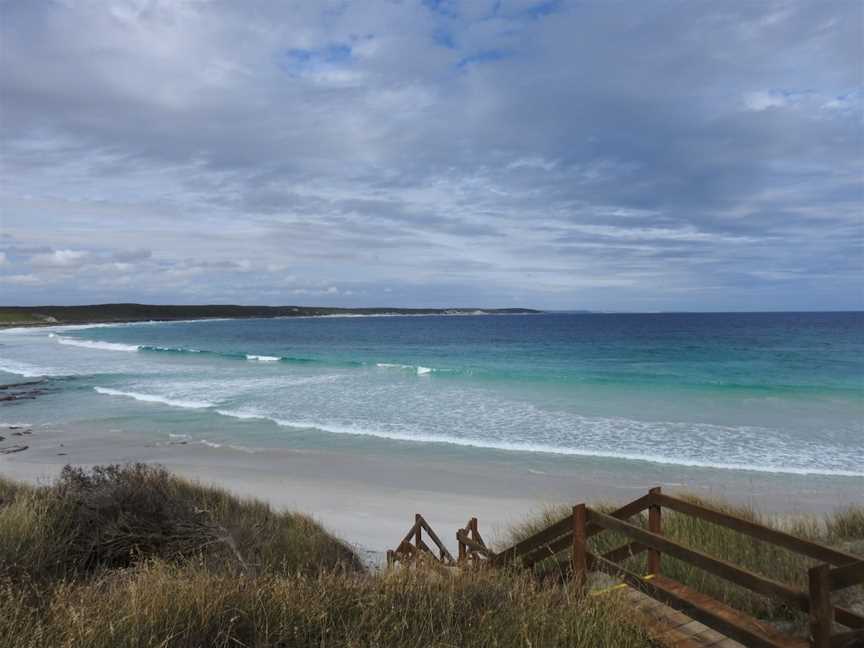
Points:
[(473, 544), (411, 533), (548, 542), (574, 531), (846, 576), (693, 610), (727, 570), (563, 526), (754, 529), (847, 639), (435, 539)]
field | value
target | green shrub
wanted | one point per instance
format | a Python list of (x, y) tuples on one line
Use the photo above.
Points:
[(118, 516)]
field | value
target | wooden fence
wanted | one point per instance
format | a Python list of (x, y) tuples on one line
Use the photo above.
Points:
[(836, 569), (407, 552)]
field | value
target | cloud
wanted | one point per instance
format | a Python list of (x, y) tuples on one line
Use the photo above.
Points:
[(559, 154), (61, 259)]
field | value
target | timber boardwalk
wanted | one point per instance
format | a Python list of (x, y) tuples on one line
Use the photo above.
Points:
[(676, 615)]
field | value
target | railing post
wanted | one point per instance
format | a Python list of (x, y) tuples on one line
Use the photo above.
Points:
[(579, 558), (821, 614), (418, 530), (654, 526)]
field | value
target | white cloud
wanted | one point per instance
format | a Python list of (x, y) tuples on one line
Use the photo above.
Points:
[(443, 152), (61, 258), (20, 279)]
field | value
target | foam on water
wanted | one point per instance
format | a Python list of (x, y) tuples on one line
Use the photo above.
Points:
[(102, 346), (668, 397), (154, 398), (419, 370), (521, 446), (28, 370), (230, 446)]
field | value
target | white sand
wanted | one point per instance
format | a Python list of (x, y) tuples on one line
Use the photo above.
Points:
[(371, 500)]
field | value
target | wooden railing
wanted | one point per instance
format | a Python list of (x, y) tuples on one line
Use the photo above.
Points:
[(817, 602), (471, 545), (407, 552), (836, 569)]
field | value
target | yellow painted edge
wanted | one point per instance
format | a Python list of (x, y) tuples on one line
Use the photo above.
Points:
[(617, 587)]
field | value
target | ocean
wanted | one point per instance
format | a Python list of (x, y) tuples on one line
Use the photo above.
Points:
[(764, 392)]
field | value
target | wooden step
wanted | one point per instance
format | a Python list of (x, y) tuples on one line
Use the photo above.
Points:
[(693, 605)]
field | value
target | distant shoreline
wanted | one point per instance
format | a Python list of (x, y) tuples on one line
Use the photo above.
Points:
[(36, 316)]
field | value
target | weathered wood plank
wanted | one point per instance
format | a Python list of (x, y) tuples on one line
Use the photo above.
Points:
[(805, 547), (654, 526), (473, 544), (579, 553), (821, 614), (848, 639), (705, 609), (546, 549), (623, 553), (435, 539), (846, 576), (411, 533), (721, 568), (848, 618)]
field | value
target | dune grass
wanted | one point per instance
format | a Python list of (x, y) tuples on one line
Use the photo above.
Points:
[(156, 604), (133, 556)]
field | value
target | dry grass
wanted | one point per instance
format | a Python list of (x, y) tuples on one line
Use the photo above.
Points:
[(132, 556), (159, 604)]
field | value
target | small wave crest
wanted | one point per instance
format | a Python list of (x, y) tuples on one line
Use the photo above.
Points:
[(419, 370), (154, 398), (27, 370), (230, 446), (92, 344), (492, 444), (262, 358)]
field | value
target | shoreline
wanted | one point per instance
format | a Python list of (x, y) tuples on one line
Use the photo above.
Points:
[(108, 314), (369, 498)]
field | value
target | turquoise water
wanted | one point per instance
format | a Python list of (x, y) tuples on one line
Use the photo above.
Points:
[(765, 392)]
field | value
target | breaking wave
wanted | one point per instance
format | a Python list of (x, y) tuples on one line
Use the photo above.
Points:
[(154, 398)]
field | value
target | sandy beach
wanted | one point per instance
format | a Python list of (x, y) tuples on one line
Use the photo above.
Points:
[(370, 498)]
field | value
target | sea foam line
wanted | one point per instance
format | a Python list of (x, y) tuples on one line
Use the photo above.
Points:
[(153, 398), (335, 428), (419, 370), (93, 344), (30, 371)]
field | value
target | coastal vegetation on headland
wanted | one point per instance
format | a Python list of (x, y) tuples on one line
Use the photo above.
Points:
[(116, 313), (134, 556)]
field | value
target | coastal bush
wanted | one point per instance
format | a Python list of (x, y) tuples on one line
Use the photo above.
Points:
[(117, 516), (163, 604)]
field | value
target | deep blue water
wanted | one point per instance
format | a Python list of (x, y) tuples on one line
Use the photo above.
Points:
[(764, 391)]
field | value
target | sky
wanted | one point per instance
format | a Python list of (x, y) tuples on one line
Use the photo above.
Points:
[(599, 154)]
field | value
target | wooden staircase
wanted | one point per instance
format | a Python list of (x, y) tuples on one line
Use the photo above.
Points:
[(675, 614)]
